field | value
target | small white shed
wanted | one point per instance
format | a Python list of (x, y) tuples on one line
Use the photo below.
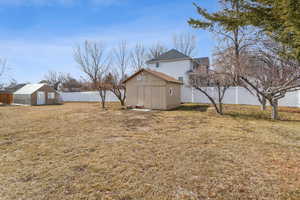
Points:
[(36, 94)]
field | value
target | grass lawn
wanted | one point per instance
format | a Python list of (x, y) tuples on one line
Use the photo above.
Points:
[(78, 151)]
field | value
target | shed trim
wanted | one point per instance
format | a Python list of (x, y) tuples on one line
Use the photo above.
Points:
[(160, 75)]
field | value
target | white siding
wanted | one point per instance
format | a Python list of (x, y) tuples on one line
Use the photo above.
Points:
[(175, 69)]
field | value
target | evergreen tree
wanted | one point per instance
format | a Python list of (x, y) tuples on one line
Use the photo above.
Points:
[(280, 19), (229, 24)]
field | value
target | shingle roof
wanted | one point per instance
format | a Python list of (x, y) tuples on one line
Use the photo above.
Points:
[(157, 74), (202, 61), (169, 55), (29, 88)]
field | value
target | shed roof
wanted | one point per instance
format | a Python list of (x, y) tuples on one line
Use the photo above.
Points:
[(29, 88), (170, 55), (160, 75)]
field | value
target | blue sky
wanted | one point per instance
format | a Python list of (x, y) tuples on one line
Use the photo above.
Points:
[(39, 35)]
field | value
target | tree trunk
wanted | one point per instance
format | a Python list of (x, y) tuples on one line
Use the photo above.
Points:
[(102, 96), (103, 104), (274, 105), (119, 95), (221, 109), (122, 102), (211, 99), (263, 104)]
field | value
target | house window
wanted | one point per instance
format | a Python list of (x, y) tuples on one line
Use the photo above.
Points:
[(180, 78), (171, 91), (51, 95), (157, 65)]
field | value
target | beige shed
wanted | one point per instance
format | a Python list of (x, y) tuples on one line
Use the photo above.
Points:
[(153, 90)]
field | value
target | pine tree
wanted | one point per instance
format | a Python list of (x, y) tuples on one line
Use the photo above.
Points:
[(280, 19), (229, 24)]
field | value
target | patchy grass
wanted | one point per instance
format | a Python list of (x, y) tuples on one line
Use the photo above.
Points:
[(78, 151)]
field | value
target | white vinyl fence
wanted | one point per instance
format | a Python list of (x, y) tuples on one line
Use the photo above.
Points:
[(86, 97), (234, 95)]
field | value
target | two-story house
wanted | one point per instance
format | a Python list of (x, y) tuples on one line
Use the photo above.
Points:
[(178, 65)]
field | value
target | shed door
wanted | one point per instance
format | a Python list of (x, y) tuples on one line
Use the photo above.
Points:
[(41, 98), (157, 100)]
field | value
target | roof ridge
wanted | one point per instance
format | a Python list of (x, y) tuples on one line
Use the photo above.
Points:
[(29, 88), (169, 55), (157, 74)]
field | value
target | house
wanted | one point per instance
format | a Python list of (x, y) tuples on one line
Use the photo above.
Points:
[(153, 90), (36, 94), (6, 94), (178, 65)]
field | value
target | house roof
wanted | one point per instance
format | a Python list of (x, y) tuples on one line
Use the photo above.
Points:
[(29, 88), (160, 75), (170, 55), (202, 61)]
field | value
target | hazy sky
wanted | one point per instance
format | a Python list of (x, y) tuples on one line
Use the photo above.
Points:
[(39, 35)]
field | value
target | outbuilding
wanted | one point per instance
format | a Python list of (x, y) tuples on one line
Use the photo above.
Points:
[(6, 97), (36, 94), (153, 90), (6, 94)]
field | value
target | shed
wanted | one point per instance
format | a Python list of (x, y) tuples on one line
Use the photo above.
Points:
[(6, 97), (153, 90), (6, 94), (36, 94)]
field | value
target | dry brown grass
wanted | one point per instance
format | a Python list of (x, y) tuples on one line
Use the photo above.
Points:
[(78, 151)]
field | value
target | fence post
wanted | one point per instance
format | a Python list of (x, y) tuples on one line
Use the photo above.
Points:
[(236, 95), (298, 98), (193, 100)]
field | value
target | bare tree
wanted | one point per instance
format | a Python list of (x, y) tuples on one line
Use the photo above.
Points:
[(116, 77), (225, 62), (234, 46), (94, 64), (116, 86), (62, 81), (138, 56), (71, 84), (121, 56), (53, 79), (220, 82), (156, 50), (2, 69), (12, 83), (186, 43), (248, 66), (275, 75)]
